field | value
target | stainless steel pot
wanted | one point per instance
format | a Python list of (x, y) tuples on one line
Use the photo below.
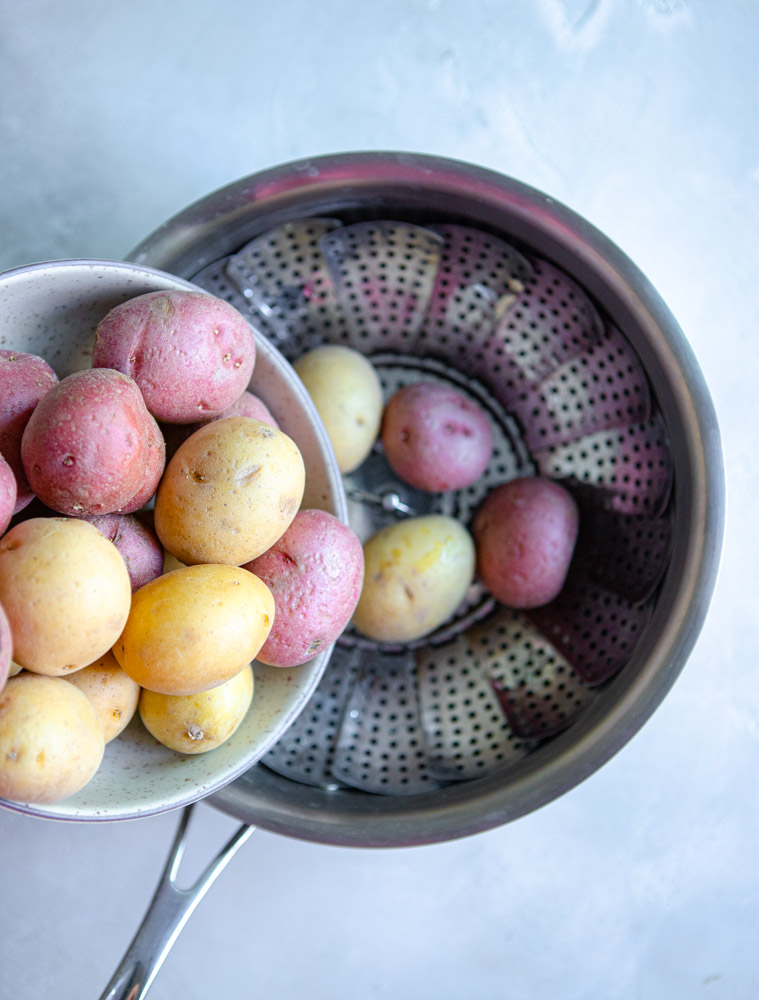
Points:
[(423, 189), (309, 249)]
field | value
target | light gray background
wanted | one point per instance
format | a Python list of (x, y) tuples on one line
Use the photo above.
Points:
[(639, 114)]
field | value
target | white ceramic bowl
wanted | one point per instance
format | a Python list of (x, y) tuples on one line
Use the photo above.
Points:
[(51, 310)]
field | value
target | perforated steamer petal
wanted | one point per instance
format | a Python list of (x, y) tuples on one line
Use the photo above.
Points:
[(462, 252)]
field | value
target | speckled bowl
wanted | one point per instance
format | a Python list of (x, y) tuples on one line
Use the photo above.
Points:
[(51, 310)]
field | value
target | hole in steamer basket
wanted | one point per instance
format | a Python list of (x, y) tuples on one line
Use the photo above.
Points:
[(567, 398)]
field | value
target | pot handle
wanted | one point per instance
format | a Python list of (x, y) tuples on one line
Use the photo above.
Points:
[(168, 912)]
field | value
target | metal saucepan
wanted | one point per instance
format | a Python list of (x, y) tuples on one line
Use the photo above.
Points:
[(255, 222), (441, 270)]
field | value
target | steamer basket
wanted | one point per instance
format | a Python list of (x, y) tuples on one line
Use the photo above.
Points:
[(442, 270)]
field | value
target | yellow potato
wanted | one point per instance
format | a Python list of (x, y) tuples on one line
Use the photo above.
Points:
[(51, 739), (114, 695), (347, 394), (416, 574), (66, 591), (229, 492), (195, 723), (194, 628)]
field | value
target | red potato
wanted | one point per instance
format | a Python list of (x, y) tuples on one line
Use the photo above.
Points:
[(154, 468), (525, 533), (315, 572), (86, 446), (8, 494), (191, 354), (436, 438), (24, 380), (137, 543), (248, 405), (6, 647)]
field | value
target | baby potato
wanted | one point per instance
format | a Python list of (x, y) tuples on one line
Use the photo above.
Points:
[(51, 739), (139, 547), (24, 380), (525, 533), (113, 694), (416, 574), (196, 723), (435, 437), (347, 394), (66, 591), (155, 463), (86, 446), (249, 405), (314, 571), (8, 494), (230, 491), (191, 354), (194, 628)]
